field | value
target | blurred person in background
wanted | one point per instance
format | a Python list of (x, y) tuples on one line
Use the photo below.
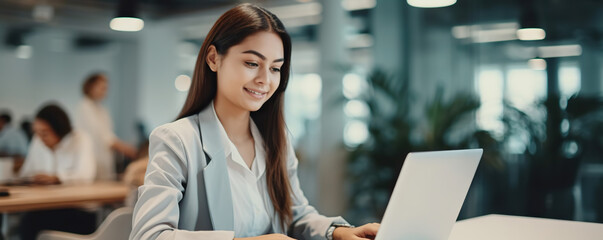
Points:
[(58, 153), (13, 142), (26, 128), (226, 168), (95, 120), (134, 173)]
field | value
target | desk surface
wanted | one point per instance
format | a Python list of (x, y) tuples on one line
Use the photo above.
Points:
[(498, 227), (61, 196)]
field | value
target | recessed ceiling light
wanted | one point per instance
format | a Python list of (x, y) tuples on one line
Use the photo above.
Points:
[(430, 3)]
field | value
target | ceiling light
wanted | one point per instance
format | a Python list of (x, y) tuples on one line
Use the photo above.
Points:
[(529, 29), (354, 5), (461, 32), (487, 32), (531, 34), (126, 24), (430, 3), (560, 51), (537, 64), (126, 19), (297, 10), (493, 35)]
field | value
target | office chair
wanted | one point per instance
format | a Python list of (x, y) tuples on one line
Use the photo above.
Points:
[(116, 226)]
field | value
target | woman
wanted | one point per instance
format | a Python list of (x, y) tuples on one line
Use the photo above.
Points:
[(58, 154), (96, 121), (225, 168)]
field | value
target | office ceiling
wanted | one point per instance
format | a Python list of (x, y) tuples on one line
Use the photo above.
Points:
[(92, 16), (153, 8), (562, 19)]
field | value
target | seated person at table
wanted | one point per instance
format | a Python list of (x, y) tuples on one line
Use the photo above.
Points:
[(58, 153), (13, 142)]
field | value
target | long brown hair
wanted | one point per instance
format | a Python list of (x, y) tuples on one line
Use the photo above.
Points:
[(231, 29)]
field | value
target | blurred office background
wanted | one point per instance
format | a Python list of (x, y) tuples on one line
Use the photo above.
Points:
[(371, 81)]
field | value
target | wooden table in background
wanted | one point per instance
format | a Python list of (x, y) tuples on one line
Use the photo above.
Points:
[(32, 198)]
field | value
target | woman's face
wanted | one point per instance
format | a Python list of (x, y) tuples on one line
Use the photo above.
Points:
[(99, 89), (249, 73), (45, 133)]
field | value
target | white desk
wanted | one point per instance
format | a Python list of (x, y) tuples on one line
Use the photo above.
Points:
[(499, 227)]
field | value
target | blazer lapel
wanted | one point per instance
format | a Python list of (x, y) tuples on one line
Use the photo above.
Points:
[(217, 183)]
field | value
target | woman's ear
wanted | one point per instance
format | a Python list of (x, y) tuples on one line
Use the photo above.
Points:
[(212, 58)]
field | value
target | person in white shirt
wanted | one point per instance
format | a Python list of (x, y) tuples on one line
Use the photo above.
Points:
[(226, 168), (13, 142), (58, 153), (95, 120)]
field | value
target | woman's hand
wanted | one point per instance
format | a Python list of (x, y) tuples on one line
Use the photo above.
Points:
[(366, 231), (124, 148), (274, 236)]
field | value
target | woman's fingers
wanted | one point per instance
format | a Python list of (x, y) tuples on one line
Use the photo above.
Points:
[(373, 227), (368, 230)]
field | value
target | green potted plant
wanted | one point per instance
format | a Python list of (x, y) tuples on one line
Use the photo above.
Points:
[(555, 149), (375, 164)]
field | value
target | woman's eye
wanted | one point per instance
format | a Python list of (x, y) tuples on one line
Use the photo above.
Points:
[(276, 69), (251, 64)]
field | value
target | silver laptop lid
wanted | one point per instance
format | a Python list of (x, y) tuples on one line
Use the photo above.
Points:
[(428, 195)]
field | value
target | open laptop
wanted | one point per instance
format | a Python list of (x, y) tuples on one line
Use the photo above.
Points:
[(428, 195)]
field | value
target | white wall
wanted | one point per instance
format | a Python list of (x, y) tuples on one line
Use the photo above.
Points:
[(159, 100), (55, 72)]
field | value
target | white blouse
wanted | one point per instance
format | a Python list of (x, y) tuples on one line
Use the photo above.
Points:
[(72, 160), (248, 186), (95, 120)]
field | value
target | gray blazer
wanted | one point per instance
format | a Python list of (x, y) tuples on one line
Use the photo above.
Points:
[(186, 192)]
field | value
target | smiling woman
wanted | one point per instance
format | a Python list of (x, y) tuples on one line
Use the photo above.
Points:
[(255, 72), (225, 168)]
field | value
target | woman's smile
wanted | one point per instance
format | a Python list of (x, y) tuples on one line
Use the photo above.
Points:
[(256, 93)]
